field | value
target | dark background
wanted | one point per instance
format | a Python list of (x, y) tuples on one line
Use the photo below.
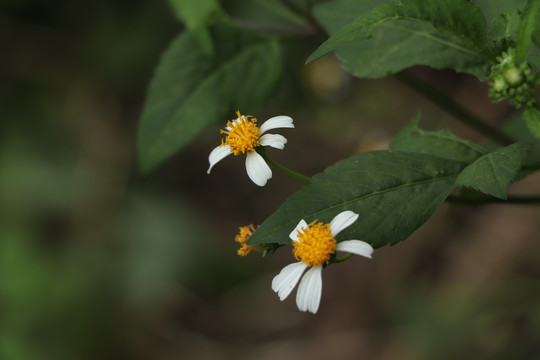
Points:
[(98, 261)]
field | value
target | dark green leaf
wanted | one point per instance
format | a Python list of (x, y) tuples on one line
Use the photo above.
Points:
[(516, 128), (394, 193), (457, 18), (193, 88), (395, 46), (270, 12), (502, 31), (494, 172), (195, 13), (536, 31), (535, 62), (494, 8), (441, 143), (526, 27), (532, 117)]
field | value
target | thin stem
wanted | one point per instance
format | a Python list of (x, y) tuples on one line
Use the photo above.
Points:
[(453, 108), (484, 200), (343, 258), (283, 168)]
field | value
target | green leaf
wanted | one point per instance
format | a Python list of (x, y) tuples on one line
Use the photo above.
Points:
[(278, 14), (536, 31), (440, 143), (195, 13), (535, 63), (526, 27), (192, 88), (494, 8), (502, 31), (394, 193), (493, 173), (457, 18), (515, 127), (532, 117)]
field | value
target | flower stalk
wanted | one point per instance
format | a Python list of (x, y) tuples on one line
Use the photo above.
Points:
[(281, 167)]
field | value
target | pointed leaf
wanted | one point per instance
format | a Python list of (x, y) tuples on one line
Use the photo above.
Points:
[(441, 143), (502, 31), (532, 117), (193, 88), (394, 193), (494, 8), (452, 17), (195, 13), (493, 173)]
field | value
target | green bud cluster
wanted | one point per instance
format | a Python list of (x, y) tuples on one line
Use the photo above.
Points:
[(513, 81)]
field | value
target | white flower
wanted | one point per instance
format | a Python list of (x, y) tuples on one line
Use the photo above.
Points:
[(243, 136), (314, 245)]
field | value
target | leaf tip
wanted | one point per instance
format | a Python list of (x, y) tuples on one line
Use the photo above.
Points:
[(320, 52)]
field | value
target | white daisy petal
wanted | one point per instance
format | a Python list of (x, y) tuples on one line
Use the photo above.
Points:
[(309, 292), (234, 123), (294, 234), (284, 282), (273, 140), (217, 155), (257, 169), (357, 247), (277, 122), (342, 221)]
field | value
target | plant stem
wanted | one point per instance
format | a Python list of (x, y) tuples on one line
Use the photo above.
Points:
[(484, 200), (453, 108), (343, 258), (283, 168)]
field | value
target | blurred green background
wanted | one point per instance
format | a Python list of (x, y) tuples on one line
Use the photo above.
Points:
[(100, 262)]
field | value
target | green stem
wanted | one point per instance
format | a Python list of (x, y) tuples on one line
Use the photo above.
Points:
[(343, 258), (484, 200), (453, 108), (283, 168)]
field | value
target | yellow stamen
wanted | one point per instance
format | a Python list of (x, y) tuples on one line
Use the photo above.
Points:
[(315, 244), (244, 134), (242, 238)]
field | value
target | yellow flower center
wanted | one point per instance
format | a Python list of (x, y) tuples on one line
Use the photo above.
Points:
[(244, 134), (242, 238), (315, 244)]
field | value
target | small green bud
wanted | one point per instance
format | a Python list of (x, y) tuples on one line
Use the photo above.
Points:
[(512, 76), (513, 81)]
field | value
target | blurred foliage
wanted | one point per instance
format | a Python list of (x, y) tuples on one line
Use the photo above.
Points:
[(496, 323), (97, 262)]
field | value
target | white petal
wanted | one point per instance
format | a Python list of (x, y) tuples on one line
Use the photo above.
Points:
[(277, 122), (286, 280), (294, 234), (273, 140), (257, 169), (217, 155), (309, 292), (357, 247), (342, 221)]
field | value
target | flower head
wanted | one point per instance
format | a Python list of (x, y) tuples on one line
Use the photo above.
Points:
[(314, 244), (242, 238), (512, 79), (244, 136)]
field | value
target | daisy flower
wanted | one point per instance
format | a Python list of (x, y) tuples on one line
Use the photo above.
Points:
[(244, 136), (314, 245)]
